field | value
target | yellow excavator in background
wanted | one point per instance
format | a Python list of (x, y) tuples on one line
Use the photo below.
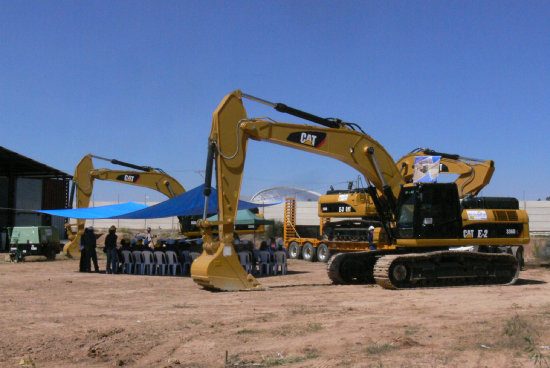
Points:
[(83, 185), (473, 174), (356, 211), (422, 221)]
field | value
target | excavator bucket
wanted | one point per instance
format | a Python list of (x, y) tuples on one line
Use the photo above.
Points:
[(71, 250), (222, 271)]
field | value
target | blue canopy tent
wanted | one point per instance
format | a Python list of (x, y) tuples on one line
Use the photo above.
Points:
[(100, 212), (186, 204)]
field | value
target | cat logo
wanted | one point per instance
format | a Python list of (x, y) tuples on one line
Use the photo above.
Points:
[(308, 139), (471, 233), (128, 178), (312, 139)]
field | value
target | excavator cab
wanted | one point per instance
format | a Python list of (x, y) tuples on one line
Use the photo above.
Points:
[(429, 211)]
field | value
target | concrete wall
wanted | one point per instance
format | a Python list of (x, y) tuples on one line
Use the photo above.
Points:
[(539, 215), (306, 214)]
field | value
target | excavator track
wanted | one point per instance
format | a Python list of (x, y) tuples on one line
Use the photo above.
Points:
[(392, 270), (445, 268), (353, 268)]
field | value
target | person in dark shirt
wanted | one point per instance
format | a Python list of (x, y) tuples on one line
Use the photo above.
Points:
[(110, 249), (171, 245), (272, 246), (89, 242), (84, 264), (139, 244), (125, 244)]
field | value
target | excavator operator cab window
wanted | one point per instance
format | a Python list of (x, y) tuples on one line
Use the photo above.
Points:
[(429, 211), (405, 217), (438, 211)]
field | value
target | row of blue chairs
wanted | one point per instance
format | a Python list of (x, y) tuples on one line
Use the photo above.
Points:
[(263, 263), (169, 262), (157, 263)]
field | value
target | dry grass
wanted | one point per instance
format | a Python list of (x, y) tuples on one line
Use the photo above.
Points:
[(379, 348), (273, 361), (297, 330)]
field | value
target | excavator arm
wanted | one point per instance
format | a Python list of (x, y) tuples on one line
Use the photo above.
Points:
[(473, 174), (218, 266), (83, 180)]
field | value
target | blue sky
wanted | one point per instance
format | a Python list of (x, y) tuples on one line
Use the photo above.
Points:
[(139, 80)]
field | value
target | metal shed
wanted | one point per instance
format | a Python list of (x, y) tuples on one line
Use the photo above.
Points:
[(25, 185)]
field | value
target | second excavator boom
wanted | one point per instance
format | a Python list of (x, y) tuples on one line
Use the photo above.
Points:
[(83, 185)]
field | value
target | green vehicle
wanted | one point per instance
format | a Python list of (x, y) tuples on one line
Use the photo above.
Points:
[(33, 241)]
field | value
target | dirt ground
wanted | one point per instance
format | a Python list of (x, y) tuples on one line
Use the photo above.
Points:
[(53, 316)]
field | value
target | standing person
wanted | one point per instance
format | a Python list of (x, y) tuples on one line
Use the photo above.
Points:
[(84, 266), (89, 241), (148, 238), (370, 238), (110, 249)]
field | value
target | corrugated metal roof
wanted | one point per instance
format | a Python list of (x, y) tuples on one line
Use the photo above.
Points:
[(12, 163)]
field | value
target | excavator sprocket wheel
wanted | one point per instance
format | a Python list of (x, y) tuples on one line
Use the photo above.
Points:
[(352, 268)]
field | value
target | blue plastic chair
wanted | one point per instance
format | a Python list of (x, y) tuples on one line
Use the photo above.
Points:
[(160, 266), (172, 261), (148, 262), (280, 263), (186, 265), (244, 258), (264, 264), (128, 263), (138, 262)]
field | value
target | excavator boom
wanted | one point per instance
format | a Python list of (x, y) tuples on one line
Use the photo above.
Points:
[(218, 266)]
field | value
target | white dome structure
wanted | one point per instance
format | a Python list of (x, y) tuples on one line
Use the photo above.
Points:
[(278, 194)]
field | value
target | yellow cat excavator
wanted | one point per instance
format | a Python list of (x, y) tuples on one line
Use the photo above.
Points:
[(356, 211), (421, 220), (83, 184)]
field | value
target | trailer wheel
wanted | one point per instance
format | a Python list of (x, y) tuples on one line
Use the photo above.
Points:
[(294, 250), (16, 256), (323, 253), (308, 252)]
